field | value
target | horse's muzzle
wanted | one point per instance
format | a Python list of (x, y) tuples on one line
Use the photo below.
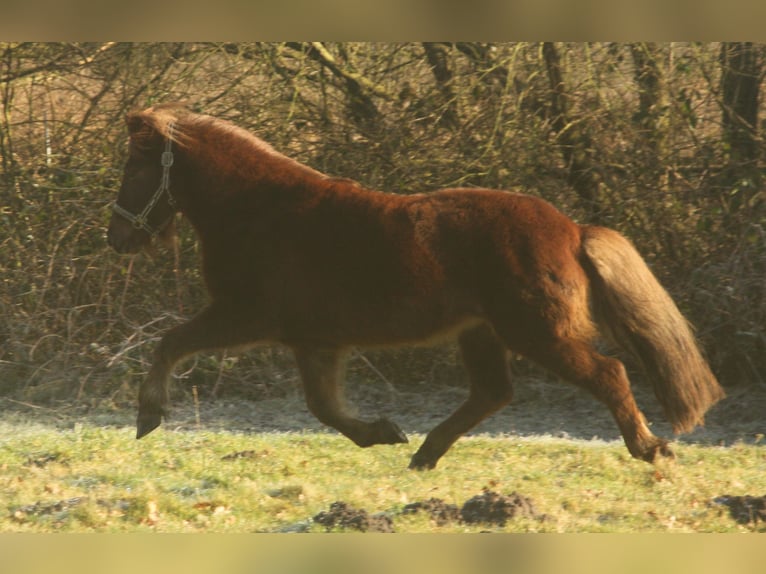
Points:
[(124, 238)]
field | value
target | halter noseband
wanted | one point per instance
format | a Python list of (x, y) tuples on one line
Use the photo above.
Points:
[(141, 221)]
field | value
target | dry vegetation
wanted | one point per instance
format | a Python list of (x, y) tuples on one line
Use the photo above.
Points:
[(636, 137)]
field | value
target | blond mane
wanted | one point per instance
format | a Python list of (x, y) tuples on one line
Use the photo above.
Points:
[(186, 128)]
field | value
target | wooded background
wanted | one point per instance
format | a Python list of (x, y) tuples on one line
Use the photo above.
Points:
[(660, 141)]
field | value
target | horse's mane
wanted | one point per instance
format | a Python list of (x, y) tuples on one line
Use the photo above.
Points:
[(188, 125), (189, 129)]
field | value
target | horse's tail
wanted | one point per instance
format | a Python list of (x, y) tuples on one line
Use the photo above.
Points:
[(639, 315)]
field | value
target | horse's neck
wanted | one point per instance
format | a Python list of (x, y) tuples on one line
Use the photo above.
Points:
[(262, 181)]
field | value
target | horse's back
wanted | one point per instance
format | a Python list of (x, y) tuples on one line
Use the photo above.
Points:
[(470, 229), (449, 248)]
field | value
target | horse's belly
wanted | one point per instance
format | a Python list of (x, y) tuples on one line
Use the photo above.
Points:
[(398, 321)]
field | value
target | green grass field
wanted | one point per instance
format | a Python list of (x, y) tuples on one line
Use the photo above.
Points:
[(96, 479)]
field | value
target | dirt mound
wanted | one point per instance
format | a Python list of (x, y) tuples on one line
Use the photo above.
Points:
[(341, 515), (493, 508), (745, 509), (486, 508), (441, 512)]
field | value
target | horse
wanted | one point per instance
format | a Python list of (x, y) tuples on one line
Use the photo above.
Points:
[(323, 265)]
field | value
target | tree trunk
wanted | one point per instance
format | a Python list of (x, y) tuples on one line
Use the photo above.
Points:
[(437, 60), (651, 107), (575, 142), (484, 63), (359, 89), (740, 81)]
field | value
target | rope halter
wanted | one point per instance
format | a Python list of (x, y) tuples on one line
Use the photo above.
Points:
[(141, 221)]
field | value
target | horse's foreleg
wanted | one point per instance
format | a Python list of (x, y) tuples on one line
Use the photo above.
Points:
[(213, 328), (321, 373), (486, 361)]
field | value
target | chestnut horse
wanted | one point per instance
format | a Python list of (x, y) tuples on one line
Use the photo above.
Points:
[(322, 265)]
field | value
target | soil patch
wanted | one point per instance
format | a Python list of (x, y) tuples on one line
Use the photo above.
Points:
[(493, 508), (488, 508), (745, 509), (441, 512), (342, 515)]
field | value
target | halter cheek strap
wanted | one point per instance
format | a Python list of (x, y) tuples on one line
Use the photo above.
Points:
[(141, 221)]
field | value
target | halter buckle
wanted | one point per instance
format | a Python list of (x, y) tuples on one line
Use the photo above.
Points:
[(167, 159)]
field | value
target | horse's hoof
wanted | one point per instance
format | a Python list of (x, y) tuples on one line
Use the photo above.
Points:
[(420, 462), (147, 422), (663, 450), (389, 433), (658, 451)]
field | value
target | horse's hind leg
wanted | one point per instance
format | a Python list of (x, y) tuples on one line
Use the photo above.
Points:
[(605, 377), (320, 371), (486, 361)]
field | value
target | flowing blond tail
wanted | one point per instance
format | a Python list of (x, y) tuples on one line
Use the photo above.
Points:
[(639, 315)]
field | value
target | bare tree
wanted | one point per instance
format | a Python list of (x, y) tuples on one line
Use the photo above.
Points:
[(571, 134), (361, 91), (741, 77), (651, 104), (437, 59), (591, 127)]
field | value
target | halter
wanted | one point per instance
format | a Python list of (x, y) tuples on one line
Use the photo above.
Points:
[(141, 221)]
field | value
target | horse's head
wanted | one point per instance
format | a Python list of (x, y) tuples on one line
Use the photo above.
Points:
[(145, 205)]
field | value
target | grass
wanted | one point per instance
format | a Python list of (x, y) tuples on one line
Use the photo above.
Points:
[(96, 479)]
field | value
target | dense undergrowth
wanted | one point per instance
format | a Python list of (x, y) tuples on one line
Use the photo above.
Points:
[(78, 322)]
